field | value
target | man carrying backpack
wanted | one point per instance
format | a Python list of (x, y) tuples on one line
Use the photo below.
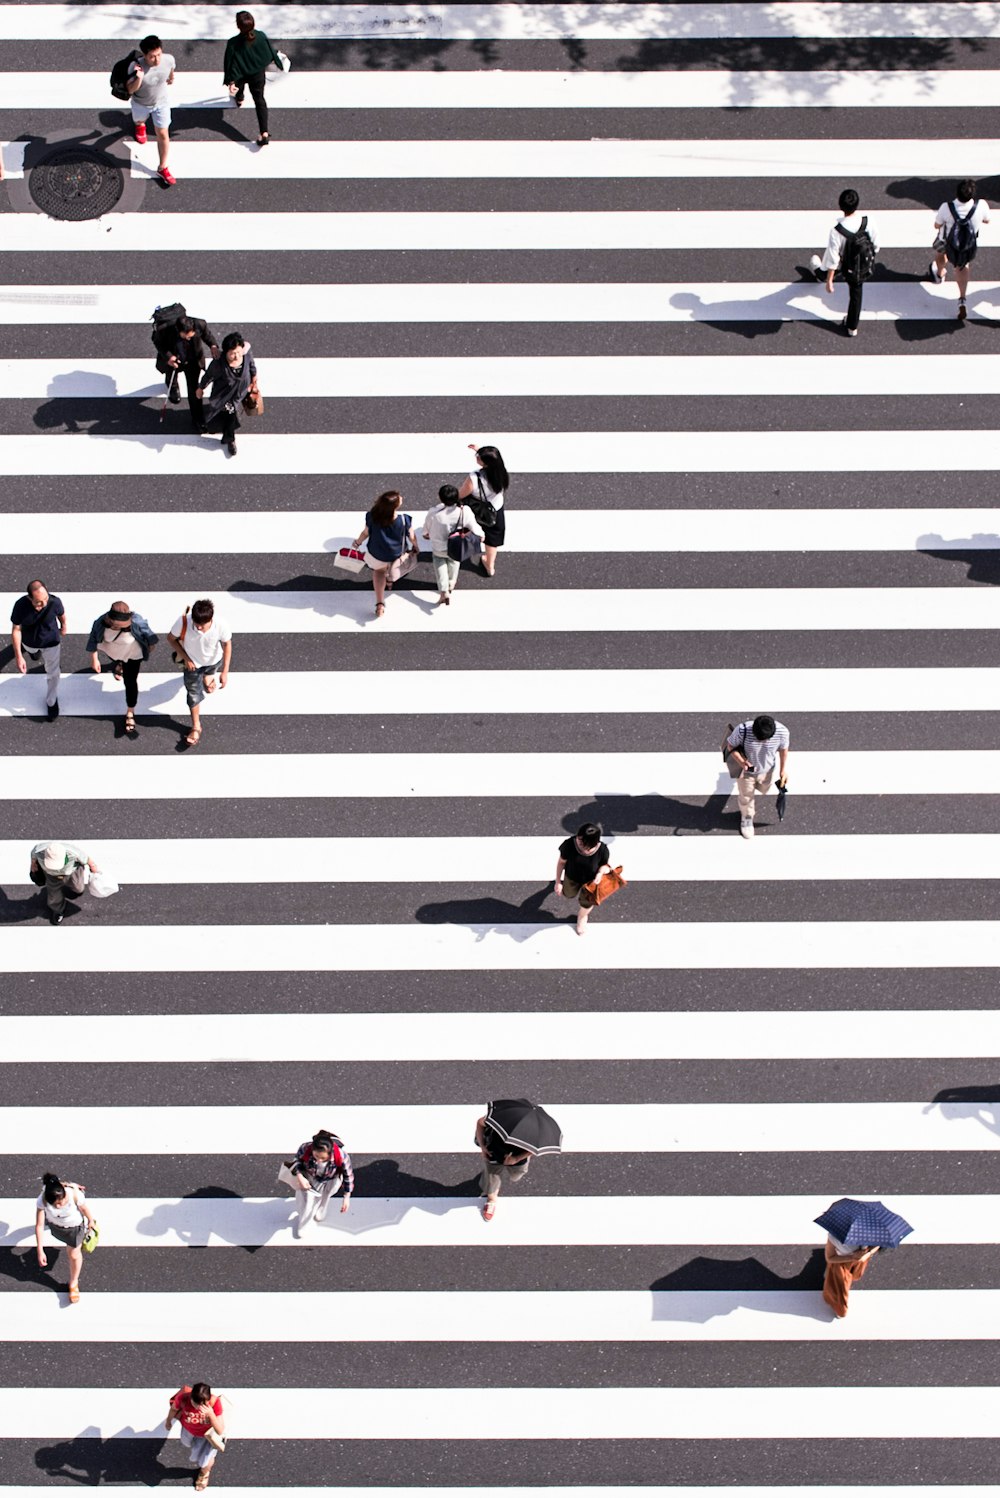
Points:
[(851, 250), (957, 225), (180, 342)]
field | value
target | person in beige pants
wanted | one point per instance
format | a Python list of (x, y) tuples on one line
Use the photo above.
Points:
[(754, 747)]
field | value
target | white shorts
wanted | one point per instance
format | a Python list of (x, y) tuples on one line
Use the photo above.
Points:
[(159, 112)]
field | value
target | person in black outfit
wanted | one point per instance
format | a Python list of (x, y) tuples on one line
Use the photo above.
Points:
[(229, 380), (248, 53), (582, 859), (181, 346)]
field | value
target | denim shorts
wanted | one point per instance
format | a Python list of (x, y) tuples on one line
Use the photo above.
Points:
[(160, 114), (194, 682)]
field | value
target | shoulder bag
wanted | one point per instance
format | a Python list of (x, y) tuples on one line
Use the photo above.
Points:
[(407, 559), (484, 512), (463, 544), (609, 884), (178, 660)]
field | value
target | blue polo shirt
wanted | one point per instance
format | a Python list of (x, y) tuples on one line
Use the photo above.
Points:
[(39, 628)]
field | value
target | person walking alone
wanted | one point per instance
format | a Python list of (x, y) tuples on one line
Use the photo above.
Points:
[(61, 868), (844, 1266), (230, 379), (39, 623), (956, 226), (247, 55), (148, 81), (127, 640), (500, 1163), (392, 548), (439, 523), (582, 859), (754, 747), (322, 1166), (62, 1209), (486, 490), (204, 645), (199, 1412), (850, 252)]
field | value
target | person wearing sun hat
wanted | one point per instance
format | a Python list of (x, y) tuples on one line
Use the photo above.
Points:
[(126, 639), (61, 867)]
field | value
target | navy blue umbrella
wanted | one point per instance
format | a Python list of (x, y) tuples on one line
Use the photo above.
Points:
[(863, 1224)]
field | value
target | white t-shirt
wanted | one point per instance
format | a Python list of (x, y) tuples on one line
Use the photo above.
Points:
[(441, 521), (153, 88), (204, 648), (835, 243), (944, 217), (120, 644), (66, 1216), (478, 476)]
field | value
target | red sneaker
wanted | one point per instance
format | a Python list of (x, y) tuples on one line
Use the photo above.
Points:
[(167, 176), (140, 135)]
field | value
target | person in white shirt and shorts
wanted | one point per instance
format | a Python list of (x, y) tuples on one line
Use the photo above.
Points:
[(964, 208), (203, 645), (147, 84)]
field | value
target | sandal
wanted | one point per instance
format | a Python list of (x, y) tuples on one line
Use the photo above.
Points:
[(379, 610), (193, 737), (74, 1294), (130, 727), (263, 139), (201, 1481)]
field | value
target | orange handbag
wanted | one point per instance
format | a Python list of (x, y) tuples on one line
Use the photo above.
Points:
[(609, 884)]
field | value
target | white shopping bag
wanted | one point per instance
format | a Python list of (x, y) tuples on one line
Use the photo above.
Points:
[(101, 885), (284, 62)]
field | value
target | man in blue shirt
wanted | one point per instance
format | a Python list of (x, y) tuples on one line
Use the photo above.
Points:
[(39, 623)]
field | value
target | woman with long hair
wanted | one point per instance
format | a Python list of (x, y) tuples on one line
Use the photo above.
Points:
[(486, 489), (62, 1208), (229, 380), (321, 1167), (392, 544), (247, 55), (199, 1412)]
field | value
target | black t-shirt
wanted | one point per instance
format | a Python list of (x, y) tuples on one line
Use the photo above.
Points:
[(581, 868), (39, 627)]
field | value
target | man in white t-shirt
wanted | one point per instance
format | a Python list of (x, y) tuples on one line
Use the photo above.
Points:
[(956, 228), (203, 643), (148, 80), (841, 256)]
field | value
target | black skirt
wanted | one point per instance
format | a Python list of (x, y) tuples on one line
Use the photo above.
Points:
[(495, 535)]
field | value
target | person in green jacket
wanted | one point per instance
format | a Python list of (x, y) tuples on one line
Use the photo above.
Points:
[(247, 55)]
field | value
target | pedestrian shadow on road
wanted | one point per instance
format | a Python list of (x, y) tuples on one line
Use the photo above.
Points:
[(213, 116), (251, 1227), (979, 553), (100, 412), (24, 1267), (703, 1288), (617, 814), (337, 598), (489, 914), (931, 192), (91, 1459), (769, 313), (979, 1102), (17, 908)]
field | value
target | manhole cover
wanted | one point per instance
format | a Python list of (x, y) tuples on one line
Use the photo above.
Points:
[(74, 183)]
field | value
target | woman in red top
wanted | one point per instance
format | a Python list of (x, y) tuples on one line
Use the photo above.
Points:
[(199, 1411)]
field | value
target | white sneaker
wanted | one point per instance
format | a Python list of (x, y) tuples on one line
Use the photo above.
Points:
[(746, 826), (816, 266), (320, 1212), (935, 274)]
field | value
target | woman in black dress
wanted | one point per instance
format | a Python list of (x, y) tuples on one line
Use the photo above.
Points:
[(486, 489), (229, 380)]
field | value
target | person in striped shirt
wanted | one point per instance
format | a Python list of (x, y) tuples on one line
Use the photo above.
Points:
[(755, 746)]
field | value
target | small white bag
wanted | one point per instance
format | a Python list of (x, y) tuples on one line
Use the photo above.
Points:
[(348, 559), (287, 1177), (284, 61), (101, 885)]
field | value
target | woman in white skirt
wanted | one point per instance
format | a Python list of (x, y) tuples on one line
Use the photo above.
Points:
[(62, 1209), (199, 1411)]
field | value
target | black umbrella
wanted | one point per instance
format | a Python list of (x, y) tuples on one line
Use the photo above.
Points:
[(524, 1125), (782, 798)]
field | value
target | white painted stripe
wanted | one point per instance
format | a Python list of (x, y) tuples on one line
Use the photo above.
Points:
[(513, 301), (601, 1128), (322, 693), (277, 532), (779, 451), (908, 228), (526, 1221), (577, 159), (512, 860), (503, 946), (958, 88), (862, 1411), (241, 777), (545, 610), (531, 375), (900, 1491), (487, 1316), (592, 22), (154, 1039)]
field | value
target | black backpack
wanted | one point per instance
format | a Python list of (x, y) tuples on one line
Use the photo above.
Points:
[(857, 263), (119, 76), (961, 240), (164, 318)]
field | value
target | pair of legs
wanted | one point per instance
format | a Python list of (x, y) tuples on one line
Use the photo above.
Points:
[(192, 374), (446, 575), (128, 673), (161, 124), (201, 1454), (492, 1178), (196, 683), (227, 423), (573, 891), (255, 84), (493, 538), (841, 1273), (380, 577), (313, 1204), (941, 264), (56, 890), (49, 656), (746, 788)]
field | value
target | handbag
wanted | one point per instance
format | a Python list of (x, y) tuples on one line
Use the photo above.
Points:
[(253, 402), (92, 1239), (286, 1175), (609, 884), (484, 512), (732, 763), (214, 1439), (178, 660), (463, 544), (101, 885), (348, 559), (402, 566), (284, 61)]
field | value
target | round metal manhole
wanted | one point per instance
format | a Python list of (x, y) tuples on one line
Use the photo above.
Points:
[(74, 183)]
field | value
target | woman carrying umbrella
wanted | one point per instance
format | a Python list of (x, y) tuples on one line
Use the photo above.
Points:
[(508, 1134), (856, 1231)]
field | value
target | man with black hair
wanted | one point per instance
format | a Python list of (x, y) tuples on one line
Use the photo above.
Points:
[(148, 80), (181, 346), (38, 623), (850, 249), (755, 745), (956, 227)]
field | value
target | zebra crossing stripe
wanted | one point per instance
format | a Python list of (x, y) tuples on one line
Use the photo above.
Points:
[(620, 1316), (599, 1128), (149, 1039), (369, 860), (526, 1221)]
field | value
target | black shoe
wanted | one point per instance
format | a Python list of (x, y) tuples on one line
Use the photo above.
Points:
[(53, 712), (55, 917), (231, 449)]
